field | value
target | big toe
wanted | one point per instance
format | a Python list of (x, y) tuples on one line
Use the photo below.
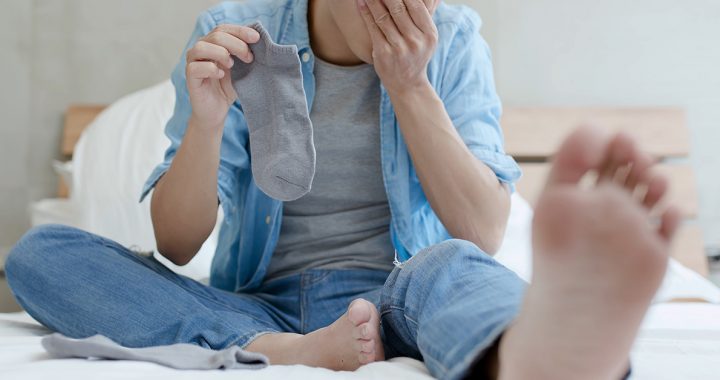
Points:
[(360, 311), (584, 150)]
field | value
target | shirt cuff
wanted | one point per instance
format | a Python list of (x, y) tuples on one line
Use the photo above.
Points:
[(224, 187), (152, 181), (504, 166)]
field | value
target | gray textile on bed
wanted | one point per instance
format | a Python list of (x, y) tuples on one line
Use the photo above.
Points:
[(179, 356)]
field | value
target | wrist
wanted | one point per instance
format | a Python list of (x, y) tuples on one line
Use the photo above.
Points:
[(204, 134), (212, 129), (411, 95)]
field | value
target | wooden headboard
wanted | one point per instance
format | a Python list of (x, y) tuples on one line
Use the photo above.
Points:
[(532, 135)]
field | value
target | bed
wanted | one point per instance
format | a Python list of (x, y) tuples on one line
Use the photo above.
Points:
[(680, 338)]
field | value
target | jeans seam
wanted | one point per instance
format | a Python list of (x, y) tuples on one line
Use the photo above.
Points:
[(428, 358), (251, 337), (303, 302), (316, 278), (389, 309)]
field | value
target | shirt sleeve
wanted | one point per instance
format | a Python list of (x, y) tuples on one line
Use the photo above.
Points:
[(234, 157), (472, 102)]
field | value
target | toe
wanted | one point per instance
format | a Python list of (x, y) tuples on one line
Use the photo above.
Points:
[(670, 221), (582, 151), (640, 170), (363, 331), (618, 157), (366, 346), (366, 358), (360, 311), (656, 189)]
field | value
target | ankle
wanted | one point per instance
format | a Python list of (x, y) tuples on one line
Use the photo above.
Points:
[(280, 348)]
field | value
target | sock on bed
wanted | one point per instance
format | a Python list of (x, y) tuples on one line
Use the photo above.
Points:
[(271, 93), (179, 356)]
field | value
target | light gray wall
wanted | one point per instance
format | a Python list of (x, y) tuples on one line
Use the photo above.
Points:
[(547, 52), (58, 52)]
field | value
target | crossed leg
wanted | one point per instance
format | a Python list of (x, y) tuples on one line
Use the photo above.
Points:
[(600, 254)]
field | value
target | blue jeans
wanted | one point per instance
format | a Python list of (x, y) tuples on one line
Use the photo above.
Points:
[(447, 305)]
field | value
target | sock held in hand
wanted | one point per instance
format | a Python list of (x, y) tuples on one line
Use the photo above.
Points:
[(270, 90)]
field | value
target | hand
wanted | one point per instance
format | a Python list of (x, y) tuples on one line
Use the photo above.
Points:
[(404, 38), (208, 71)]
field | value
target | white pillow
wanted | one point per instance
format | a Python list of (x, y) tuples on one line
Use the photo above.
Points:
[(112, 160), (516, 254), (516, 250), (54, 211), (65, 171)]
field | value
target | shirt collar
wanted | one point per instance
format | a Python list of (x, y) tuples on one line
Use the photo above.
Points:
[(297, 30)]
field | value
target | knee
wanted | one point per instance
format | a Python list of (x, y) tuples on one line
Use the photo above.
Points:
[(37, 248), (457, 247), (448, 254)]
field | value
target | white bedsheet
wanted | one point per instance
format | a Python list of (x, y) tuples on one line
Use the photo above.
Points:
[(677, 341), (22, 357)]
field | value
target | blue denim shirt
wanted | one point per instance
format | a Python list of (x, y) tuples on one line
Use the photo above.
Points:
[(460, 71)]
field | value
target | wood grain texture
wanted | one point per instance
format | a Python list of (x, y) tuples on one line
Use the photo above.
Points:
[(536, 133), (689, 250), (77, 118), (688, 247)]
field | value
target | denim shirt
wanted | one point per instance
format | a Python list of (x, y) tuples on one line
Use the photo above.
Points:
[(460, 71)]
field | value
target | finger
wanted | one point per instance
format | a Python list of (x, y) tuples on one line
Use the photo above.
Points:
[(233, 44), (201, 70), (227, 86), (420, 14), (244, 33), (384, 21), (401, 17), (376, 34), (432, 5), (205, 51)]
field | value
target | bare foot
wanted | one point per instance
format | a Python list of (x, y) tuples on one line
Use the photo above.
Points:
[(350, 342), (598, 261)]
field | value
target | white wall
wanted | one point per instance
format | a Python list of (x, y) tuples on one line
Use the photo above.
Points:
[(547, 52)]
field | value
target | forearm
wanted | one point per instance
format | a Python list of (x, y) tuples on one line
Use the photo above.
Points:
[(184, 203), (465, 193)]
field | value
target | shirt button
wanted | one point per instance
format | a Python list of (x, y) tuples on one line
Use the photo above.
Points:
[(267, 220), (306, 57)]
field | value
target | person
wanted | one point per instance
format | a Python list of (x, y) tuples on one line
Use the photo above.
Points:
[(409, 156)]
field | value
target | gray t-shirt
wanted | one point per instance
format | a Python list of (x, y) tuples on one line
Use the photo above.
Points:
[(344, 221)]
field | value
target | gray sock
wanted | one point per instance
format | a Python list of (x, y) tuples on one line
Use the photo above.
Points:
[(271, 93), (179, 356)]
